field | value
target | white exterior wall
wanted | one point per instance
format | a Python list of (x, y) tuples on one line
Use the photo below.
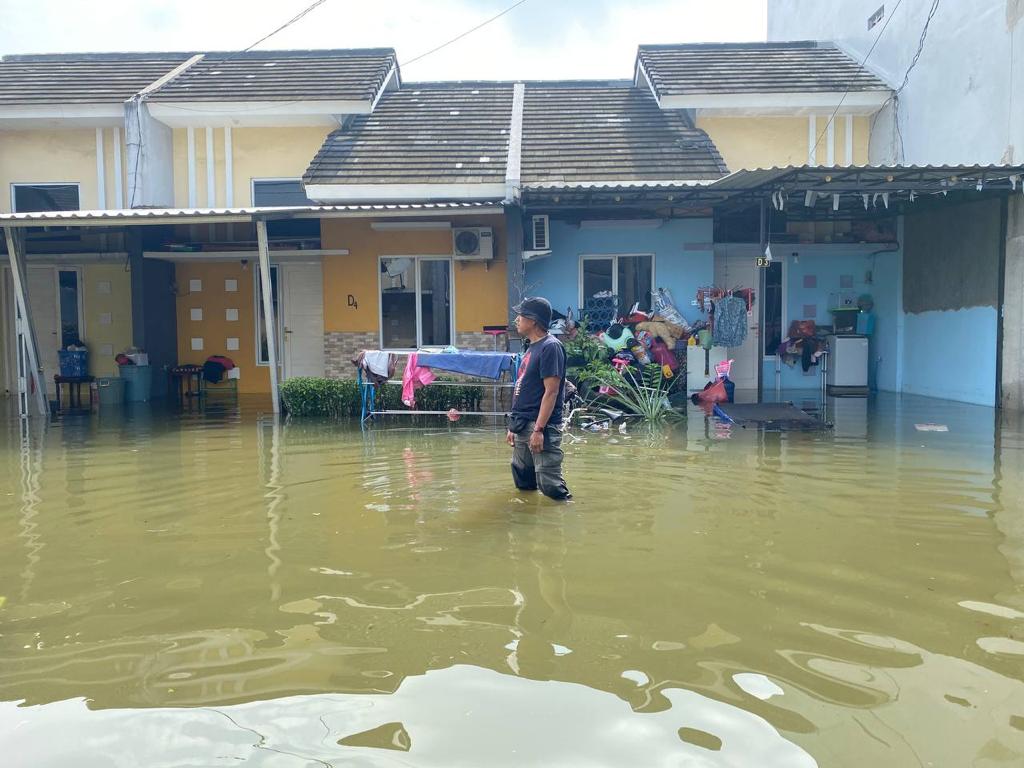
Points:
[(964, 102)]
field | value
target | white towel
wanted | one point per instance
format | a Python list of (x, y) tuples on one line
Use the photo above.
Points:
[(377, 362)]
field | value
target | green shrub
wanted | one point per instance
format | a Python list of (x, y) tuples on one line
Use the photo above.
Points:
[(310, 396), (339, 398)]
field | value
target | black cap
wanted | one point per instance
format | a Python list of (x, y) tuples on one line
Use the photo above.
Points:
[(536, 308)]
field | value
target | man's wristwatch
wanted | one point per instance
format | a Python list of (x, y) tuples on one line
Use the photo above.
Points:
[(538, 428)]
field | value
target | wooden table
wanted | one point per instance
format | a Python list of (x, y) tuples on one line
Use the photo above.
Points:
[(183, 377), (74, 386)]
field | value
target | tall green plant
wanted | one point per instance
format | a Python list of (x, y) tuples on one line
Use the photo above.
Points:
[(584, 346), (643, 393)]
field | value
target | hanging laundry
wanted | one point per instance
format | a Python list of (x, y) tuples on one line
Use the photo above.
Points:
[(377, 366), (414, 378), (730, 329)]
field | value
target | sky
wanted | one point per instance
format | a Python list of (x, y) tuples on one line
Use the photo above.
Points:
[(539, 39)]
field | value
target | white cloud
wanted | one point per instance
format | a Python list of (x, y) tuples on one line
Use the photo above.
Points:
[(540, 39)]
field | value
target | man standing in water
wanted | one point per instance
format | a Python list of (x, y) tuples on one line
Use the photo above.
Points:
[(535, 425)]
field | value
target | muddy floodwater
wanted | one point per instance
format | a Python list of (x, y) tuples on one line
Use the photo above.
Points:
[(218, 588)]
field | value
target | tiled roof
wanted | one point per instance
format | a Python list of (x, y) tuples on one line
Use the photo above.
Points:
[(101, 78), (81, 78), (424, 133), (610, 132), (323, 75), (730, 68)]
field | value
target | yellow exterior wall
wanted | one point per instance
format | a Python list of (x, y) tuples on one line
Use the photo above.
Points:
[(766, 142), (96, 302), (49, 157), (256, 153), (861, 139), (214, 328), (481, 293), (758, 142), (260, 153)]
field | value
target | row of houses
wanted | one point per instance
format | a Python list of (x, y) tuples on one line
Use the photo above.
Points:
[(148, 193)]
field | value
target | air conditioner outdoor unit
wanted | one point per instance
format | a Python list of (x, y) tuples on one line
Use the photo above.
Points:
[(541, 236), (473, 244)]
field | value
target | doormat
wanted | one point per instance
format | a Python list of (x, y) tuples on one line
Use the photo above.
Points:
[(770, 416)]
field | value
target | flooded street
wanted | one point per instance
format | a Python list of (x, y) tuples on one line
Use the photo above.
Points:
[(218, 589)]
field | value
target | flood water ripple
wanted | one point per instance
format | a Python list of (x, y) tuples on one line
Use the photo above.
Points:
[(223, 587)]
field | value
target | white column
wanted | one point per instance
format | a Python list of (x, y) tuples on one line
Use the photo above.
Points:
[(830, 142), (190, 139), (270, 321), (849, 139), (229, 170), (28, 351), (118, 185), (101, 173), (812, 138), (211, 176)]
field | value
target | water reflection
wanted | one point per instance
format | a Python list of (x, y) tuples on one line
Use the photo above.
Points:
[(844, 598)]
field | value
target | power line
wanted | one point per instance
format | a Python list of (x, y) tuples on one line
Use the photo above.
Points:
[(138, 98), (846, 93), (894, 99), (467, 32), (287, 24)]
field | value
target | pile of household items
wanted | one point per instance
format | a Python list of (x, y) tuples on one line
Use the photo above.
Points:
[(637, 339)]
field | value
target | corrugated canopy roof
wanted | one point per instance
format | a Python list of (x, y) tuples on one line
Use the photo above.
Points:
[(217, 215), (735, 68)]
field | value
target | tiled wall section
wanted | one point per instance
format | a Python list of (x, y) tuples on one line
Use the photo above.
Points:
[(480, 342), (339, 349), (107, 309)]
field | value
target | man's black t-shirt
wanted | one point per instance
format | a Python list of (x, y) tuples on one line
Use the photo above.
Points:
[(544, 358)]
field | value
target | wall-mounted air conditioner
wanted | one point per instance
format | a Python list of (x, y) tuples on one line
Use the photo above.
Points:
[(473, 244)]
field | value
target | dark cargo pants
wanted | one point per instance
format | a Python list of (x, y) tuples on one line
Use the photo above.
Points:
[(543, 471)]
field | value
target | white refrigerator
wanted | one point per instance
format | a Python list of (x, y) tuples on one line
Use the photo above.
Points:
[(847, 365)]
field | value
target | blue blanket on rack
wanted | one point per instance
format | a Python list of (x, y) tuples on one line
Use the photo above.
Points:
[(486, 365)]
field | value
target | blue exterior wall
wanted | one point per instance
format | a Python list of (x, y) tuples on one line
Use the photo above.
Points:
[(827, 265), (683, 259), (951, 355)]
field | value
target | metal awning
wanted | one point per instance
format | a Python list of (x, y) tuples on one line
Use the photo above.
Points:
[(869, 179), (753, 185), (139, 216)]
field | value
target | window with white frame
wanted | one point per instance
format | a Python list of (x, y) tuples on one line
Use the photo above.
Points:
[(29, 198), (262, 348), (415, 302), (628, 276)]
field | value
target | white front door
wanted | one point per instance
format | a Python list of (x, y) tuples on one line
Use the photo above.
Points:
[(42, 298), (303, 294), (740, 271)]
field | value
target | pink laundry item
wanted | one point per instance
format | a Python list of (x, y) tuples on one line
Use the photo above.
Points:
[(414, 378)]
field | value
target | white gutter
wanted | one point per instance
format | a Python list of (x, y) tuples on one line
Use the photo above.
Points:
[(387, 193), (513, 164)]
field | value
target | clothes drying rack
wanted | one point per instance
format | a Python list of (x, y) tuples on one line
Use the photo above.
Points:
[(368, 390)]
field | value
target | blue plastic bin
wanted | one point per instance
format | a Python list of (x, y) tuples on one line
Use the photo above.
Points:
[(73, 363), (138, 382)]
